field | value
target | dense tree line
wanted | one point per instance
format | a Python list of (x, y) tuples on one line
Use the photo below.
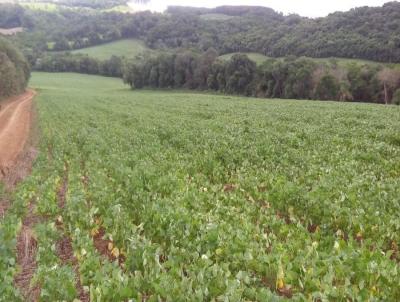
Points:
[(368, 33), (14, 70), (80, 64), (365, 33), (95, 4), (292, 78)]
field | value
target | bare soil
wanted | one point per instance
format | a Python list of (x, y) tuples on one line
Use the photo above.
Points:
[(101, 244), (16, 153)]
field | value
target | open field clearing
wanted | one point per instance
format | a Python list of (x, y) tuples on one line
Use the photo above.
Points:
[(256, 57), (129, 48), (10, 31), (260, 58), (175, 196), (42, 6)]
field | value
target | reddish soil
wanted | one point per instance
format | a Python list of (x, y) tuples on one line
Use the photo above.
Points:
[(101, 244), (16, 156), (66, 255), (16, 117)]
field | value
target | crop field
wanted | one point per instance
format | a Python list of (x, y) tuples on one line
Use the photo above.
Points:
[(176, 196), (128, 48)]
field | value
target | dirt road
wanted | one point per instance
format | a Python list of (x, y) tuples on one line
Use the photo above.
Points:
[(15, 123)]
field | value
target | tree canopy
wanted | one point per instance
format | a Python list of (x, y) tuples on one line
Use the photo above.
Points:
[(14, 70), (366, 32)]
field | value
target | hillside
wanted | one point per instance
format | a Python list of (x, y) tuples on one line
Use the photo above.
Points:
[(370, 33)]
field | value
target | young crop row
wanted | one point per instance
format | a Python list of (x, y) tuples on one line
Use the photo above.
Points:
[(187, 197)]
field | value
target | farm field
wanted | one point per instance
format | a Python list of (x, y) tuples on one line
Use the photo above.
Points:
[(177, 196), (129, 48)]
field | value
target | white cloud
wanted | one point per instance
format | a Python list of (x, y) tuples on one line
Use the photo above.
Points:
[(310, 8)]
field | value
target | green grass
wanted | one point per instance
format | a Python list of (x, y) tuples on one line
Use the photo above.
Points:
[(343, 62), (129, 48), (42, 6), (256, 57), (214, 198), (260, 58)]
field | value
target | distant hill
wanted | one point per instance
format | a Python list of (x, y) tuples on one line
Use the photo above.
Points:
[(369, 33)]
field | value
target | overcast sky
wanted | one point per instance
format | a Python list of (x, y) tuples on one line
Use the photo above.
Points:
[(310, 8)]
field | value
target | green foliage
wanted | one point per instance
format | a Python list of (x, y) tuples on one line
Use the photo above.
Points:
[(81, 64), (327, 88), (14, 70), (219, 198), (240, 72), (396, 97), (364, 84), (256, 57), (289, 78), (228, 29)]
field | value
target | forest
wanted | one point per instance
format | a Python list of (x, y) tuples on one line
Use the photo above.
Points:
[(292, 78), (366, 33), (14, 70)]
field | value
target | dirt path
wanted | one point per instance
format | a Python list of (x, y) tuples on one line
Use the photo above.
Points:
[(16, 155), (15, 125)]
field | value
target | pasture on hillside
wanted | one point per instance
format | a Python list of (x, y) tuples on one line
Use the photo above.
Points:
[(342, 62), (205, 197), (128, 48)]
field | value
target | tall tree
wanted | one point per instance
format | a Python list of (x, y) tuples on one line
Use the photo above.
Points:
[(390, 80)]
